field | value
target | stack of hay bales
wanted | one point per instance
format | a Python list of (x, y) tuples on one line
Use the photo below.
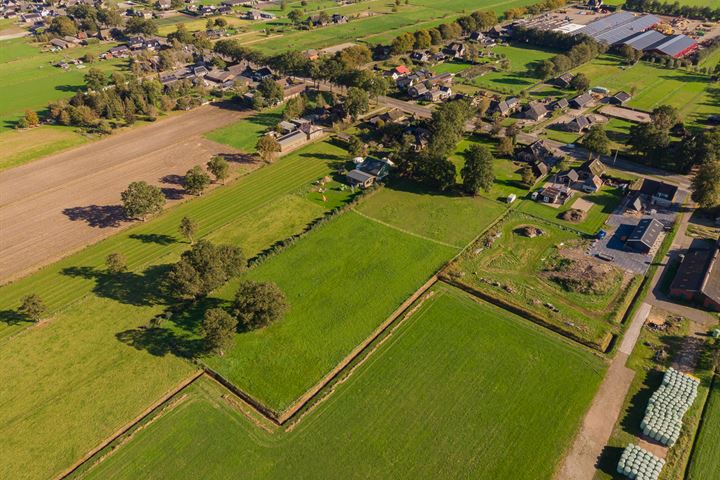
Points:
[(639, 464), (667, 406)]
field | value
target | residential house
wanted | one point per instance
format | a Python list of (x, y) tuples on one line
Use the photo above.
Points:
[(592, 184), (369, 171), (538, 151), (536, 111), (418, 90), (592, 168), (504, 107), (163, 4), (644, 235), (560, 104), (437, 94), (292, 140), (660, 193), (455, 50), (563, 81), (391, 116), (581, 101), (578, 124), (420, 57), (552, 195), (569, 178), (620, 98)]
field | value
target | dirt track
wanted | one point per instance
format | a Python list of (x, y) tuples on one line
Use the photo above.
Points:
[(57, 205)]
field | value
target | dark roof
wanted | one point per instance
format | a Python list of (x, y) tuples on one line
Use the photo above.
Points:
[(692, 271), (623, 96), (595, 167), (571, 175), (674, 45), (582, 99), (561, 103), (711, 285), (643, 40), (618, 27), (646, 232), (658, 189), (373, 166)]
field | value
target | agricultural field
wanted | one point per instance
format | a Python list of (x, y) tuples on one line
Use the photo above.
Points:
[(97, 344), (28, 79), (704, 460), (692, 94), (498, 397), (535, 275), (396, 239), (244, 134), (193, 24), (605, 201), (23, 146), (654, 353)]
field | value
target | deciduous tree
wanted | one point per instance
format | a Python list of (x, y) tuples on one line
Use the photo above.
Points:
[(196, 180), (219, 167), (258, 304), (141, 199), (267, 147), (477, 172), (188, 228), (218, 329), (116, 263), (32, 307)]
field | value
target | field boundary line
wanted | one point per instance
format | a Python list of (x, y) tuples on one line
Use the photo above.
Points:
[(348, 374), (407, 232), (703, 420), (124, 429)]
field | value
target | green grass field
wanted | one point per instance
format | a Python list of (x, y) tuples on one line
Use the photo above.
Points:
[(94, 366), (516, 79), (517, 263), (23, 146), (692, 94), (398, 240), (705, 460), (243, 135), (461, 390), (28, 80)]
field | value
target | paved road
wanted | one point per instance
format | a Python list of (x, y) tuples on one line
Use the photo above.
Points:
[(581, 461), (59, 204)]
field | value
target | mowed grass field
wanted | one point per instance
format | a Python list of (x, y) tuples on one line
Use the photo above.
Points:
[(461, 390), (22, 146), (28, 79), (95, 365), (705, 460), (694, 95), (516, 264), (517, 78), (342, 281)]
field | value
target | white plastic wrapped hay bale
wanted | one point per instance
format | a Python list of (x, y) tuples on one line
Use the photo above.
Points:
[(639, 464), (667, 406)]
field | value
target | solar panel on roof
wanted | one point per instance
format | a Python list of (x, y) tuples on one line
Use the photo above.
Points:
[(643, 40), (675, 45), (618, 27)]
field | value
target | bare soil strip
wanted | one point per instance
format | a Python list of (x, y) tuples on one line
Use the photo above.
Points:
[(157, 404), (58, 205)]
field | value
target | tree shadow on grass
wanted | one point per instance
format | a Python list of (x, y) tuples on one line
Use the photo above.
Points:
[(608, 460), (12, 317), (160, 239), (98, 216), (160, 342), (129, 288)]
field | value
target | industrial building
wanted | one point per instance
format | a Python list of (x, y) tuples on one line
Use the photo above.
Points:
[(626, 28)]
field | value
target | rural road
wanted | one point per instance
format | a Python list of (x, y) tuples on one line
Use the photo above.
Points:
[(61, 203), (580, 462)]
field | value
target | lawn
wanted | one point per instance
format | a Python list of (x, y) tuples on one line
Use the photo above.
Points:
[(653, 85), (513, 270), (604, 202), (243, 135), (96, 365), (461, 390), (23, 146), (28, 80), (650, 366), (516, 79), (450, 67), (705, 460), (507, 172)]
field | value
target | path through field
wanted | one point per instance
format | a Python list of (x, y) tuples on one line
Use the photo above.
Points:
[(57, 205)]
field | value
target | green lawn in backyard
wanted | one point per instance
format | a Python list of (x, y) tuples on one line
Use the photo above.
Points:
[(507, 172), (28, 79), (705, 460), (517, 78), (605, 201), (450, 67), (461, 390), (694, 95), (243, 135), (648, 377), (517, 265), (95, 365)]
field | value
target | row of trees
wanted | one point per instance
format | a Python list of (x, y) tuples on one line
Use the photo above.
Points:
[(673, 9), (579, 49), (534, 9)]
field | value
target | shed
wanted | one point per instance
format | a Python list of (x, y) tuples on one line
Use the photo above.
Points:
[(644, 235)]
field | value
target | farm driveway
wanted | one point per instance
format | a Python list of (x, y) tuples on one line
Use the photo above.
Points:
[(57, 205), (599, 421)]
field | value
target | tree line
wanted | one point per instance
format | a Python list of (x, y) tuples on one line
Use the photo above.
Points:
[(673, 9)]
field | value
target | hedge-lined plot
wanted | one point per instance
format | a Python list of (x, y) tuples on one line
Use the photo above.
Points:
[(461, 390), (705, 460), (535, 275)]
